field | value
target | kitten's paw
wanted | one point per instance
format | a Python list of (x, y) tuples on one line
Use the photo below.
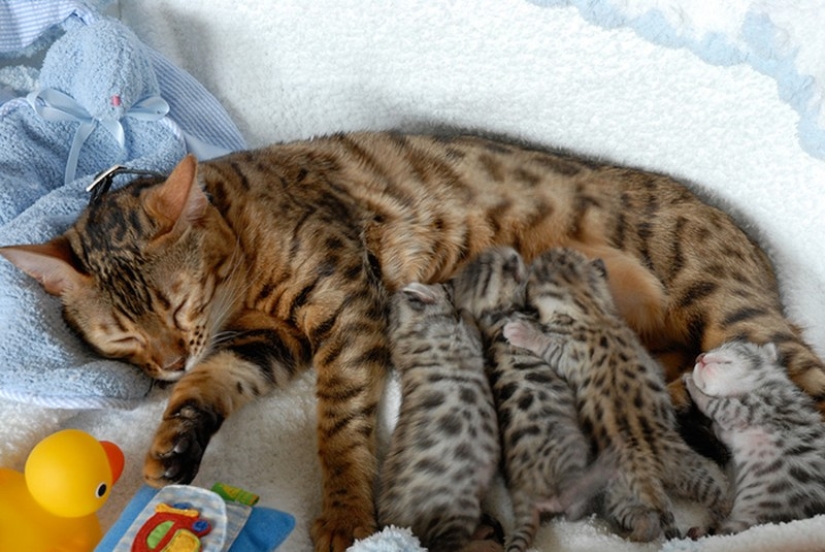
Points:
[(336, 532), (696, 533), (643, 526), (733, 526), (178, 446), (489, 529), (672, 532), (520, 333)]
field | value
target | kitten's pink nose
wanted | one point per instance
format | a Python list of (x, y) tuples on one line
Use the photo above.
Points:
[(700, 360)]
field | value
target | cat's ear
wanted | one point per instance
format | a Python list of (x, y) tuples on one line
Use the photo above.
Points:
[(770, 351), (180, 201), (600, 267), (420, 293), (51, 264)]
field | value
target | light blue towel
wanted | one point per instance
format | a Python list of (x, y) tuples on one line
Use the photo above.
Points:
[(95, 59)]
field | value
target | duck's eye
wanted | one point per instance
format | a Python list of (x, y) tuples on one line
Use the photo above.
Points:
[(101, 490)]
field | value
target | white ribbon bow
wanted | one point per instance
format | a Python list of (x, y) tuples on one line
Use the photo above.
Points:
[(54, 106)]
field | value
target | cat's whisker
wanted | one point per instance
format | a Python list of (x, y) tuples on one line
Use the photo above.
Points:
[(225, 300)]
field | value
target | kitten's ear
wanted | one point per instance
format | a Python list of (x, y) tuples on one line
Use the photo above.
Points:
[(51, 264), (179, 201), (600, 267), (771, 351), (419, 292)]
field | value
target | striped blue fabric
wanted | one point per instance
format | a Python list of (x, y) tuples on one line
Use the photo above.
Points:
[(22, 22)]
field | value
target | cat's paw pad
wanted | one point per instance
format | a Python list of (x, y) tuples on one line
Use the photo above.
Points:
[(519, 333), (178, 446), (337, 533)]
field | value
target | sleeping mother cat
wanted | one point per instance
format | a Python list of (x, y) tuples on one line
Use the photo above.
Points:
[(231, 276)]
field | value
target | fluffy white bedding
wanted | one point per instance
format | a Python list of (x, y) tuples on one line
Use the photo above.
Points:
[(553, 74)]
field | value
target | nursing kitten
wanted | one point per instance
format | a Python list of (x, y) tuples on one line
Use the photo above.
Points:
[(234, 274), (620, 394), (774, 432), (545, 453), (444, 450)]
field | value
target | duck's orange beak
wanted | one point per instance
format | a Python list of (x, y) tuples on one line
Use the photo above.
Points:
[(116, 459)]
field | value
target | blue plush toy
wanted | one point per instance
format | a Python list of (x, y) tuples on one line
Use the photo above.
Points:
[(97, 102), (101, 98)]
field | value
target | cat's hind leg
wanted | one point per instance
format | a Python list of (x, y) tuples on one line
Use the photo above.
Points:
[(636, 499), (526, 521), (694, 477), (638, 294), (635, 521)]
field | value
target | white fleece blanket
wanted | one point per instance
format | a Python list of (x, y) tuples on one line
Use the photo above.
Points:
[(589, 76)]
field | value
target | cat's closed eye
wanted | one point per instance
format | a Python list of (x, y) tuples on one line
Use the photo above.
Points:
[(126, 342), (180, 316)]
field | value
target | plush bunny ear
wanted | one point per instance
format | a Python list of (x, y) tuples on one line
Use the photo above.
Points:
[(420, 293), (52, 264), (179, 201)]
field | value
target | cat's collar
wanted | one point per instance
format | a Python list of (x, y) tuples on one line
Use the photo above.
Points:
[(103, 180)]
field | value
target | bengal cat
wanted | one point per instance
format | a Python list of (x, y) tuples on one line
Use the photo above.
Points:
[(620, 394), (545, 454), (233, 274), (445, 448), (773, 430)]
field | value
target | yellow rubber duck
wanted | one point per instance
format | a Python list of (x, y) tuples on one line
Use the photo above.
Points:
[(51, 506)]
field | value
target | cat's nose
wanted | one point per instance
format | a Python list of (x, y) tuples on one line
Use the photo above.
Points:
[(700, 360)]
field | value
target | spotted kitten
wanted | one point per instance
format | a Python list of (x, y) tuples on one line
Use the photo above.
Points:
[(444, 450), (774, 432), (621, 395), (544, 450)]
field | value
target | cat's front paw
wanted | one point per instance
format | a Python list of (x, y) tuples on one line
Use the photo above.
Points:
[(178, 446), (520, 333), (679, 393), (336, 532)]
